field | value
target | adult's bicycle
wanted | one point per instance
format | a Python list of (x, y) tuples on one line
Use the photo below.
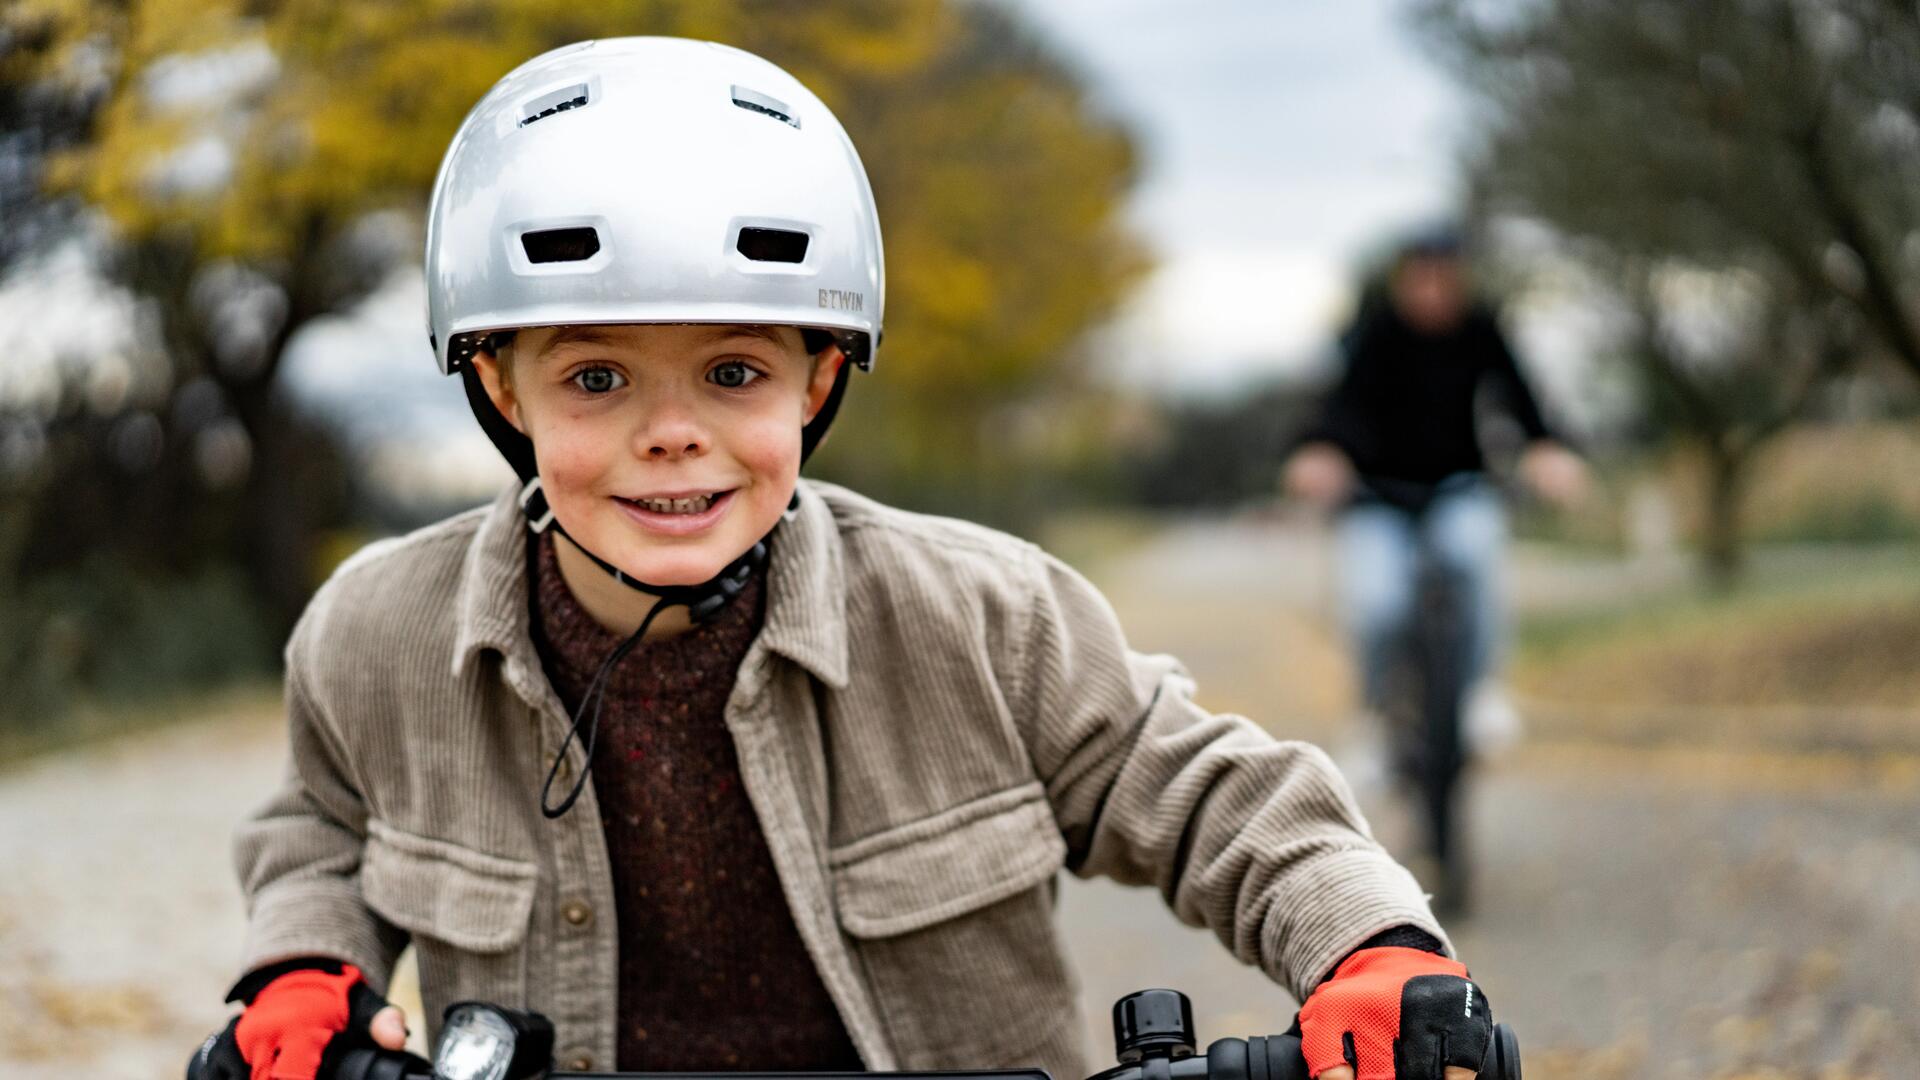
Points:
[(1423, 679)]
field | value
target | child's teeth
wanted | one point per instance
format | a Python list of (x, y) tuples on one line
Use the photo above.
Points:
[(696, 505)]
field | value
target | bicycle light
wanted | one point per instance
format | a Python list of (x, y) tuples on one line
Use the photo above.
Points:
[(485, 1042)]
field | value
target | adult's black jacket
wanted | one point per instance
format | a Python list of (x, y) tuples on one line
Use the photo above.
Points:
[(1404, 408)]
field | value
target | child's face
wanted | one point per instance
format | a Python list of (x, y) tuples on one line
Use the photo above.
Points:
[(667, 450)]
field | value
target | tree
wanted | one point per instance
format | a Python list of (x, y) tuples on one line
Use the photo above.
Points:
[(1727, 363), (266, 163), (1763, 154), (52, 82)]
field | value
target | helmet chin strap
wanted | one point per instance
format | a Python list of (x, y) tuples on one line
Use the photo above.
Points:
[(703, 601)]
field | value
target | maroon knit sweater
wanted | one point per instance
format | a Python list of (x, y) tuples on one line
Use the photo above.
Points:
[(713, 975)]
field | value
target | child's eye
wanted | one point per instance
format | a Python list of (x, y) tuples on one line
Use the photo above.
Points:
[(733, 374), (598, 380)]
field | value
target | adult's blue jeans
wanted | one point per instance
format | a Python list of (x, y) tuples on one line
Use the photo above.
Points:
[(1463, 534)]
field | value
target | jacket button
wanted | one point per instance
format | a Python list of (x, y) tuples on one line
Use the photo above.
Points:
[(581, 1063), (578, 912)]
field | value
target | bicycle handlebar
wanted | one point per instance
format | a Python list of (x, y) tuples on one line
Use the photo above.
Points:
[(1153, 1036)]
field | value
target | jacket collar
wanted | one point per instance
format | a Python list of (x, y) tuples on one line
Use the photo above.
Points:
[(806, 619), (807, 590)]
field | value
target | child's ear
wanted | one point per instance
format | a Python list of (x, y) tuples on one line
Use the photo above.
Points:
[(826, 367), (499, 386)]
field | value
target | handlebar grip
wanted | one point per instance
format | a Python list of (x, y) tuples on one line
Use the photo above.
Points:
[(370, 1064), (1503, 1057), (1272, 1057), (195, 1062), (1278, 1057), (358, 1064)]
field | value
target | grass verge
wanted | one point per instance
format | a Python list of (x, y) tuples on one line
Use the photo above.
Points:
[(1812, 651)]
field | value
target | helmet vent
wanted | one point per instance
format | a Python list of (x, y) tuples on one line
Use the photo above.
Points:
[(772, 245), (755, 101), (561, 245), (558, 101)]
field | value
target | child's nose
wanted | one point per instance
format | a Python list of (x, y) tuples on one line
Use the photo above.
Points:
[(673, 433)]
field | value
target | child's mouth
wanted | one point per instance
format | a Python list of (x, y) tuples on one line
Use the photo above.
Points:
[(688, 514), (696, 505)]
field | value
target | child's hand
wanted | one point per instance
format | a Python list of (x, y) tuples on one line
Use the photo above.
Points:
[(299, 1023), (1394, 1013)]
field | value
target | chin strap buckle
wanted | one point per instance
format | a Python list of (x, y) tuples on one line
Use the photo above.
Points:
[(533, 503)]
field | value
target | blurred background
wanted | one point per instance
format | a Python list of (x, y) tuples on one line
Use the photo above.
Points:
[(1123, 238)]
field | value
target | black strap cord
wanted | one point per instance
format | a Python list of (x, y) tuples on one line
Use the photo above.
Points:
[(702, 603), (515, 447), (591, 704), (816, 429)]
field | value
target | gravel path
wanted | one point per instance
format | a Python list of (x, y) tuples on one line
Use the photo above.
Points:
[(119, 919), (1643, 913)]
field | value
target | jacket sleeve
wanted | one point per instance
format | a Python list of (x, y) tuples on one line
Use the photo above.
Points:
[(1256, 839), (298, 856), (1507, 380), (1345, 415)]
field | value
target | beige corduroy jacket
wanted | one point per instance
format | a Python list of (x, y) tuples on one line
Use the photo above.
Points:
[(934, 720)]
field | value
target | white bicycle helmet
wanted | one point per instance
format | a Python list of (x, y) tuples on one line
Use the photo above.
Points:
[(652, 180)]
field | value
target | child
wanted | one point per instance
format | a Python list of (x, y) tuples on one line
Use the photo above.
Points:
[(804, 766)]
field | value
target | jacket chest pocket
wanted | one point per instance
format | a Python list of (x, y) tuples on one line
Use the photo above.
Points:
[(467, 912), (951, 919)]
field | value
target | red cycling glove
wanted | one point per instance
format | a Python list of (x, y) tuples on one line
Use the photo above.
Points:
[(292, 1026), (1396, 1014)]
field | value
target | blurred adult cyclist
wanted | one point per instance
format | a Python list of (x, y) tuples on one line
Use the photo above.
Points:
[(1397, 450)]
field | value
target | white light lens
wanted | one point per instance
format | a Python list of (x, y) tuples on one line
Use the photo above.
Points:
[(477, 1044)]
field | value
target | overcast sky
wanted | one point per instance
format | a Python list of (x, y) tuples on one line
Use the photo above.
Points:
[(1283, 140)]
